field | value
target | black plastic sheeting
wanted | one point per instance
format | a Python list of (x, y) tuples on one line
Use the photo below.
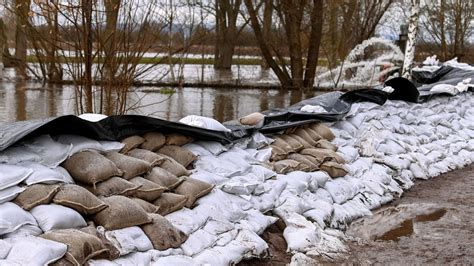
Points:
[(336, 104)]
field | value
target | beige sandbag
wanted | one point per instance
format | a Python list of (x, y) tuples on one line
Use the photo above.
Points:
[(177, 139), (323, 155), (79, 199), (148, 190), (131, 143), (164, 178), (301, 132), (303, 142), (121, 213), (277, 154), (146, 206), (162, 234), (313, 134), (312, 159), (280, 143), (288, 165), (170, 202), (172, 166), (36, 195), (294, 143), (153, 141), (90, 167), (290, 131), (325, 144), (182, 155), (302, 159), (323, 131), (193, 189), (113, 186), (146, 155), (112, 251), (252, 119), (334, 169), (130, 166), (81, 246)]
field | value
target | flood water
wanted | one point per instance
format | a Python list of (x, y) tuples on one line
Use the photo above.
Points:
[(23, 101)]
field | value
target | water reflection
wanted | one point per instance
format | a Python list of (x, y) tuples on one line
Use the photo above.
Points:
[(23, 100)]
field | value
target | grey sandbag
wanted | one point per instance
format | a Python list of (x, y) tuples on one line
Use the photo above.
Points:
[(334, 169), (177, 139), (162, 234), (131, 143), (323, 131), (182, 155), (153, 141), (277, 153), (302, 159), (90, 167), (146, 206), (121, 213), (164, 178), (113, 186), (193, 189), (79, 199), (35, 195), (130, 166), (325, 144), (81, 246), (146, 155), (172, 166), (323, 155), (170, 202), (294, 143), (148, 190)]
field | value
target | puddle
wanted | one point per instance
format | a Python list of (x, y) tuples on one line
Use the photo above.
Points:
[(431, 217)]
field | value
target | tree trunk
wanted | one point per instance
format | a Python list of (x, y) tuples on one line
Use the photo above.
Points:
[(267, 25), (314, 43), (226, 31), (22, 8), (87, 24), (412, 31)]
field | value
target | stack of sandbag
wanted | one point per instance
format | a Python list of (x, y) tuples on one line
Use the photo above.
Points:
[(308, 149)]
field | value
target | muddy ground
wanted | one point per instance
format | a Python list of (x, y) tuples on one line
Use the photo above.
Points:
[(443, 236)]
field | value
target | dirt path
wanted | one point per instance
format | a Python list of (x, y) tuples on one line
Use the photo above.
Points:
[(444, 236)]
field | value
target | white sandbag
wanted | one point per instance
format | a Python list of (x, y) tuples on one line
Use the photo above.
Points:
[(318, 180), (45, 175), (239, 157), (35, 251), (10, 193), (203, 122), (300, 259), (348, 153), (268, 200), (128, 240), (208, 177), (111, 146), (25, 230), (230, 254), (256, 245), (5, 247), (175, 260), (323, 195), (290, 204), (79, 143), (187, 220), (225, 238), (12, 175), (297, 181), (313, 109), (136, 258), (296, 227), (242, 185), (197, 149), (53, 216), (222, 206), (218, 166), (197, 242), (321, 214), (218, 227), (17, 154), (213, 147), (340, 190), (444, 88), (92, 117), (261, 155), (256, 221), (258, 140), (262, 173), (13, 217), (52, 153), (359, 166), (155, 254)]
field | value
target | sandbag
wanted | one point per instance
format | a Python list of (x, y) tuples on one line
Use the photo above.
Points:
[(153, 141), (312, 159), (294, 143), (302, 133), (90, 167), (325, 144), (146, 206), (306, 145), (130, 166), (24, 230), (35, 251), (148, 190), (52, 217), (45, 175), (323, 155), (288, 165), (79, 199), (334, 169), (128, 240), (252, 119), (146, 155), (13, 217), (36, 195), (283, 145), (193, 189), (131, 143), (182, 155), (172, 166), (13, 175), (162, 233), (323, 131), (313, 134), (81, 246), (10, 193), (113, 186), (163, 178), (170, 202), (277, 153), (203, 122), (79, 143), (304, 160), (177, 139), (121, 213), (5, 247)]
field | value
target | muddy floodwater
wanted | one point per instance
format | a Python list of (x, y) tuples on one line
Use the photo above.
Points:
[(22, 101)]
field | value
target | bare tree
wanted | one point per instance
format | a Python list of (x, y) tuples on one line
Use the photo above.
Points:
[(227, 30), (22, 9)]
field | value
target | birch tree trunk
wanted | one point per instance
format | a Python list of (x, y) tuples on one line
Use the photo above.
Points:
[(412, 31)]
